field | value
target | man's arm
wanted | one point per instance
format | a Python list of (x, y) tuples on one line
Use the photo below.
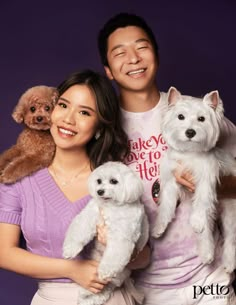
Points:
[(227, 142), (227, 187)]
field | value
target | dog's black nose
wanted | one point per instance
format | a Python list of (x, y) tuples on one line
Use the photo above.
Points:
[(100, 192), (39, 118), (190, 133)]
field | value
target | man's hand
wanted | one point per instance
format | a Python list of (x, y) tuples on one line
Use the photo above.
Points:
[(184, 178)]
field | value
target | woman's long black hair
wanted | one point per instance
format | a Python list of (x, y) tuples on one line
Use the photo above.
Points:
[(112, 145)]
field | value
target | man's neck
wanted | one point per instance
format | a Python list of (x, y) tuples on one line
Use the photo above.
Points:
[(139, 101)]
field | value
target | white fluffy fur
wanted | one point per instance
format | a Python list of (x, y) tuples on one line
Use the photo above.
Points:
[(191, 128), (116, 190)]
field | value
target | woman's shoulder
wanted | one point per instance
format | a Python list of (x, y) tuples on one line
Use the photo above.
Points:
[(24, 182)]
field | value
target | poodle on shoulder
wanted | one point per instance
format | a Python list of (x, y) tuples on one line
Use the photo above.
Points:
[(34, 148)]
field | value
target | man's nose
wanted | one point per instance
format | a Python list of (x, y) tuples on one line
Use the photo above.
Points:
[(133, 56)]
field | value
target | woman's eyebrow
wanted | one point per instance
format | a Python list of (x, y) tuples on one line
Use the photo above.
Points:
[(79, 105), (64, 99)]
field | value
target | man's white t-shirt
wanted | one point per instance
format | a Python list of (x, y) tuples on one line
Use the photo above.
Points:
[(175, 262)]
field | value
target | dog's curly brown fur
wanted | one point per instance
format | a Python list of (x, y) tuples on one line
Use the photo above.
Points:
[(34, 148)]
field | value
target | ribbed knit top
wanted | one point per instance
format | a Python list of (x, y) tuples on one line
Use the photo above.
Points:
[(42, 211)]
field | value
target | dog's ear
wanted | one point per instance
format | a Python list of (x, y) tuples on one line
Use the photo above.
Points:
[(133, 187), (18, 113), (173, 96), (55, 95), (19, 110), (214, 101)]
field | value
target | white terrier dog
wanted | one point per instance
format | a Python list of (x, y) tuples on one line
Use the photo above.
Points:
[(116, 191), (191, 128)]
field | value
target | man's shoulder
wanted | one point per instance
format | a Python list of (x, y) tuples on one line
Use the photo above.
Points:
[(227, 139)]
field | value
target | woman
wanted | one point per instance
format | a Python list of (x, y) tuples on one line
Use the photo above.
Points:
[(87, 132)]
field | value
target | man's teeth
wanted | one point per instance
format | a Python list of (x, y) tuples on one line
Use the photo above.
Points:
[(66, 131), (136, 71)]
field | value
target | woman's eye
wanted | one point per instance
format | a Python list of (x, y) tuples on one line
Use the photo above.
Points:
[(84, 112), (62, 105)]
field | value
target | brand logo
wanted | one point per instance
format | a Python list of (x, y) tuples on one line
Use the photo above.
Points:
[(215, 290)]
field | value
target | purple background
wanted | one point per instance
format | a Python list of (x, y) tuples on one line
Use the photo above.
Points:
[(42, 43)]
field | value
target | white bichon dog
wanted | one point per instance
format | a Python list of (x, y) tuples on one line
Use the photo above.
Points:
[(191, 128), (116, 191)]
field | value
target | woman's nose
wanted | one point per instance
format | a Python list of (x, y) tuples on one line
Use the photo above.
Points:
[(69, 118)]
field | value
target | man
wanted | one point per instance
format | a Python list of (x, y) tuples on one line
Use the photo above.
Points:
[(129, 53)]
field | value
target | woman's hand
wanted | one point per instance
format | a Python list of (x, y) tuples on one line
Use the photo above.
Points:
[(84, 272), (102, 230), (13, 258)]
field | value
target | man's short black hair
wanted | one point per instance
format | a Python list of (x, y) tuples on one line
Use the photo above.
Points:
[(122, 20)]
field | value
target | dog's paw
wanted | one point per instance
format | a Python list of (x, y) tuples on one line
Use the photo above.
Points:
[(229, 267), (197, 222), (229, 261), (89, 301), (207, 258), (159, 229), (70, 252), (106, 275), (67, 253), (95, 299), (106, 272), (206, 252), (8, 177)]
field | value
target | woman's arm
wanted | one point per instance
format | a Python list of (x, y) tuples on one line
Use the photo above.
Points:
[(13, 258)]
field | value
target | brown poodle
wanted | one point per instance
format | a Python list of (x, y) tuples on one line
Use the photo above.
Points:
[(34, 148)]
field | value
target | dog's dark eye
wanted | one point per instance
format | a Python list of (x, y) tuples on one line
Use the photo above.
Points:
[(47, 108), (113, 181), (32, 109), (99, 181), (201, 119), (181, 117)]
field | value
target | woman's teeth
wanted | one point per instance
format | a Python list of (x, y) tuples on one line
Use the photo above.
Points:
[(65, 131)]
